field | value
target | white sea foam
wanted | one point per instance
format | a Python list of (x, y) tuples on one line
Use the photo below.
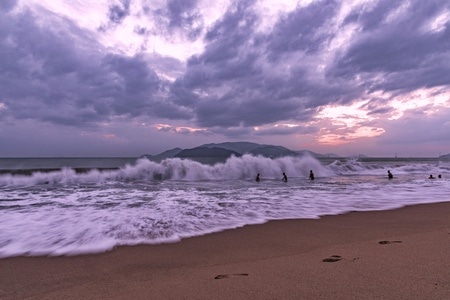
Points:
[(235, 168), (69, 213)]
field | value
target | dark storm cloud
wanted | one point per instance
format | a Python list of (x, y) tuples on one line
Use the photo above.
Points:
[(228, 72), (396, 41), (220, 65), (7, 5), (53, 71), (140, 30), (248, 78), (134, 84), (377, 106), (177, 16), (235, 132), (372, 15), (118, 12), (238, 71), (304, 29), (433, 72), (65, 77), (33, 63), (184, 14), (380, 111)]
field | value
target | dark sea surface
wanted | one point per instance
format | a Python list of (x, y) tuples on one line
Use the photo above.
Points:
[(68, 206)]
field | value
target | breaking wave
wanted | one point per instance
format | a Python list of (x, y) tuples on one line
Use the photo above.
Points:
[(235, 168)]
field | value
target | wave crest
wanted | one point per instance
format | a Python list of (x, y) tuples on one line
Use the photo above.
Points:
[(235, 168)]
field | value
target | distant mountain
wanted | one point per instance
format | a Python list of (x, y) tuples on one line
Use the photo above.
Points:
[(254, 149), (332, 155), (445, 157), (273, 151), (207, 155), (307, 152), (207, 152), (220, 152), (166, 154), (240, 147)]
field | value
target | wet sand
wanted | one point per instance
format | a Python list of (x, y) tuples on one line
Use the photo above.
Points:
[(398, 254)]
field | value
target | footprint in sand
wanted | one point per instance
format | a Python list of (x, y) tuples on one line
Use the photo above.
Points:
[(229, 275), (332, 258), (388, 242)]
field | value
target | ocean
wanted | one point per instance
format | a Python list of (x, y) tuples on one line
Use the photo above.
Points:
[(72, 206)]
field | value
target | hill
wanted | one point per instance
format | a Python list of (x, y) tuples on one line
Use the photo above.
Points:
[(206, 152), (240, 147), (254, 149), (166, 154), (219, 152), (273, 151), (445, 157)]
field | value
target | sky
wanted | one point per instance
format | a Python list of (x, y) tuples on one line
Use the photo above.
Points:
[(132, 77)]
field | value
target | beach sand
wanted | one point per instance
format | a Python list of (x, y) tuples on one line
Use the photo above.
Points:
[(397, 254)]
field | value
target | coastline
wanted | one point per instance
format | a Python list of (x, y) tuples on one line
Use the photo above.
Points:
[(29, 172), (394, 254)]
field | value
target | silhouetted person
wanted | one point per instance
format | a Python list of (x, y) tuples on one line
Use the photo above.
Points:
[(311, 175), (284, 177), (390, 176), (439, 176), (431, 176), (257, 178)]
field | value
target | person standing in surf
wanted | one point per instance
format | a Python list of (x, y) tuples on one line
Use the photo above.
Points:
[(390, 176), (284, 177), (311, 175)]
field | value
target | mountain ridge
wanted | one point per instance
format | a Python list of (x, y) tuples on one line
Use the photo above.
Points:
[(220, 152)]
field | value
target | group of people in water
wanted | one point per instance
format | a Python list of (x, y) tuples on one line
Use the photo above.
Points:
[(311, 176), (284, 178), (390, 176), (431, 176)]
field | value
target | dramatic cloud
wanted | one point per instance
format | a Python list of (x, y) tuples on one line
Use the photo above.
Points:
[(117, 12), (321, 74), (400, 41)]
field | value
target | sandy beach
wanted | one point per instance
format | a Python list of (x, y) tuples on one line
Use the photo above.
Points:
[(398, 254)]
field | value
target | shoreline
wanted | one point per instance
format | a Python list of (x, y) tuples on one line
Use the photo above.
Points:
[(392, 254), (77, 170)]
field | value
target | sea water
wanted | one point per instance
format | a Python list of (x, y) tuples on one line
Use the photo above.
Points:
[(66, 212)]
